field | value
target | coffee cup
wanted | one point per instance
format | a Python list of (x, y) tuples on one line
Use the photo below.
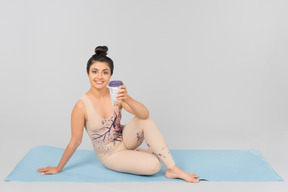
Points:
[(114, 87)]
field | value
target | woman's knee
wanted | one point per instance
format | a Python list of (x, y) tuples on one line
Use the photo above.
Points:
[(153, 167)]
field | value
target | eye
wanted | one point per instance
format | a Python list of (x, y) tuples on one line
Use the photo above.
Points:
[(106, 73), (94, 71)]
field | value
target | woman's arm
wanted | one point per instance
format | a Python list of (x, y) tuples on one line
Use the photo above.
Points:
[(77, 125), (131, 105)]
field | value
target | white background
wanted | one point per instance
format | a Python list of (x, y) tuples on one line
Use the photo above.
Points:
[(213, 75)]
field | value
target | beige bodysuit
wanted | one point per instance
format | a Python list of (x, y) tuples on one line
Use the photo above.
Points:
[(114, 143)]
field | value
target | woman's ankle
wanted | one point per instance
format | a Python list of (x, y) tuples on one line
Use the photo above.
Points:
[(173, 167)]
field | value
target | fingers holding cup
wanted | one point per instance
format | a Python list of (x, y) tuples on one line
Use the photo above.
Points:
[(122, 93)]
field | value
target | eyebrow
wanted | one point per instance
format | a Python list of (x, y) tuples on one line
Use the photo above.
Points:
[(103, 69)]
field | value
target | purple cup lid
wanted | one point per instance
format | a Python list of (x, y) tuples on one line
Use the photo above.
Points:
[(115, 83)]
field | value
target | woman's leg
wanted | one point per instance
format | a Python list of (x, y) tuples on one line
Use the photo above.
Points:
[(134, 162), (126, 159), (137, 129), (138, 162)]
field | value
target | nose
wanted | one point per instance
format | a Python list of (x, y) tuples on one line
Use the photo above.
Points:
[(99, 76)]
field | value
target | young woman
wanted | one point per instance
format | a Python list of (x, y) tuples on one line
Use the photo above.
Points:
[(114, 143)]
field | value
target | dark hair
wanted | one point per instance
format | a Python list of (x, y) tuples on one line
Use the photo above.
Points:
[(100, 55)]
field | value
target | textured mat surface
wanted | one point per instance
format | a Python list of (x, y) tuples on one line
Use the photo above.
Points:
[(84, 166)]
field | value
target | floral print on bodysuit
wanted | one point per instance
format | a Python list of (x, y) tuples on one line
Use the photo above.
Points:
[(140, 136), (110, 132), (164, 150)]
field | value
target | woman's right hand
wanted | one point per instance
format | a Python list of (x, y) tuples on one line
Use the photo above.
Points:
[(49, 170)]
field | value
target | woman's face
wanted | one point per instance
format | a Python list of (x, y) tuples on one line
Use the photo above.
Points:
[(99, 74)]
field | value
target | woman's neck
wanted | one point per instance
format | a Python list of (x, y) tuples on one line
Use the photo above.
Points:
[(99, 93)]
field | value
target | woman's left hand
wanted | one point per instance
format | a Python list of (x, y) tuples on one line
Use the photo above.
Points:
[(122, 94)]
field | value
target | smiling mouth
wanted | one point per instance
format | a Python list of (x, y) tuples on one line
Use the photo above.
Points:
[(99, 82)]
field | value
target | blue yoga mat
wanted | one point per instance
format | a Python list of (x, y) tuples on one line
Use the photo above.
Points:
[(84, 166)]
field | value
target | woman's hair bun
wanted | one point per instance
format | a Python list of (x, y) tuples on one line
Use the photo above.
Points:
[(101, 50)]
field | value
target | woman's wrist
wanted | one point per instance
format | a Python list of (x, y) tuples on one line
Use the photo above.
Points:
[(127, 100), (59, 169)]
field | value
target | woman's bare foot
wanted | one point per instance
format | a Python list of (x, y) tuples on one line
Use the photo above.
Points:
[(145, 150), (176, 172)]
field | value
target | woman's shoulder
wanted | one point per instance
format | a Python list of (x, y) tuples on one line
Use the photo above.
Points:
[(79, 109), (80, 104)]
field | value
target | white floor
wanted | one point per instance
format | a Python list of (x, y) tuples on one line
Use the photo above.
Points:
[(273, 147)]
